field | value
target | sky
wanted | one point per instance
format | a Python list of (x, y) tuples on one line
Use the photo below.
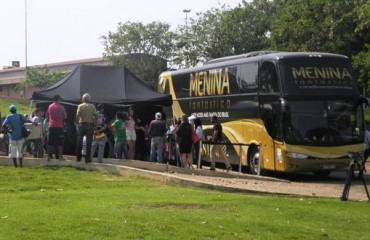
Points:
[(66, 30)]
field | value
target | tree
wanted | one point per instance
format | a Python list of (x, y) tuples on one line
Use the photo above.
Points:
[(40, 77), (361, 60), (141, 48), (326, 26), (314, 26), (223, 31)]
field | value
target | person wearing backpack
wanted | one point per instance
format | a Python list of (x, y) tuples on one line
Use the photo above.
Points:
[(13, 123)]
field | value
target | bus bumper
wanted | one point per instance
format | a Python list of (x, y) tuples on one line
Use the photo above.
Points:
[(316, 165)]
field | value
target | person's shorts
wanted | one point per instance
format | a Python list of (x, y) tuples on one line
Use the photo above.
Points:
[(56, 136), (130, 135)]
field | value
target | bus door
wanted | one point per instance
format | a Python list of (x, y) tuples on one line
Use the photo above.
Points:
[(270, 108)]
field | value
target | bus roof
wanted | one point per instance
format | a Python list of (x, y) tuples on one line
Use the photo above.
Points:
[(251, 57)]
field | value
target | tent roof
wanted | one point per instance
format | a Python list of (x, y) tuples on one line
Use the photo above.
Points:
[(106, 84)]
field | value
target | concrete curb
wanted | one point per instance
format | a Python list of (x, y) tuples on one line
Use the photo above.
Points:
[(202, 178), (159, 172)]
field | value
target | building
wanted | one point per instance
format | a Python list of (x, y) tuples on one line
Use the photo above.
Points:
[(11, 76)]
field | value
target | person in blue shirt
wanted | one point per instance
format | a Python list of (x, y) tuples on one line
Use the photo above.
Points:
[(13, 123)]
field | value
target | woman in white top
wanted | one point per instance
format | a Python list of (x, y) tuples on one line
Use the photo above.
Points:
[(131, 133), (131, 127), (199, 131)]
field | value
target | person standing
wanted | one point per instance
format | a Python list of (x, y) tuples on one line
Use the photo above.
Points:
[(367, 149), (38, 119), (141, 145), (38, 116), (199, 131), (85, 119), (13, 123), (100, 138), (131, 132), (157, 132), (120, 140), (183, 132), (55, 115), (217, 147)]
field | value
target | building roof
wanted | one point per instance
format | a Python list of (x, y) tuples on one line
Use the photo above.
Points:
[(15, 75)]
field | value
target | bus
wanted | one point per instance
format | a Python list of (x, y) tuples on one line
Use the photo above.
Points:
[(280, 111)]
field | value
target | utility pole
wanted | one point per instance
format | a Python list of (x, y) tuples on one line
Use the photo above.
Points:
[(25, 46), (186, 11)]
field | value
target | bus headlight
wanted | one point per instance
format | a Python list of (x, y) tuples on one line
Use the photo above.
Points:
[(297, 155)]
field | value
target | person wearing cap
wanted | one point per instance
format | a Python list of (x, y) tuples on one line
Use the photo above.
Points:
[(85, 120), (217, 138), (14, 123), (55, 116), (157, 132), (100, 138)]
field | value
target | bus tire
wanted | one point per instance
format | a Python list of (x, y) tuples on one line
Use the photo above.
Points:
[(253, 161)]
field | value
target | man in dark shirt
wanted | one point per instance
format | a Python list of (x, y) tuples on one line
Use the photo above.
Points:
[(157, 132), (217, 138)]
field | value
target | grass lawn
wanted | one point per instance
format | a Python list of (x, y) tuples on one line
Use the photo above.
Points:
[(67, 203), (23, 106)]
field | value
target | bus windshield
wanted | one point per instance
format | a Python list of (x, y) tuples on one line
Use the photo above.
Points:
[(323, 122)]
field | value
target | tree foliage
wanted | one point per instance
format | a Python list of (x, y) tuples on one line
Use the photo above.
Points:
[(41, 77), (133, 44), (326, 26), (361, 60), (282, 25), (222, 31)]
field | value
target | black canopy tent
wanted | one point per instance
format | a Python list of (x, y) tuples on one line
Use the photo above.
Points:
[(115, 87), (106, 84)]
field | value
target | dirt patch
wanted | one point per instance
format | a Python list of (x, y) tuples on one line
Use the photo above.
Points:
[(331, 186)]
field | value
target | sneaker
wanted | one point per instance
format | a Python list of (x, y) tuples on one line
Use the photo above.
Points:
[(229, 168), (212, 169)]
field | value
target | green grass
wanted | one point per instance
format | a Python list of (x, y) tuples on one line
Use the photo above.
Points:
[(23, 106), (66, 203)]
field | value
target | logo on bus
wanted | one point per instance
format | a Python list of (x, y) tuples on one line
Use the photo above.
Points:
[(317, 77), (209, 83), (213, 82)]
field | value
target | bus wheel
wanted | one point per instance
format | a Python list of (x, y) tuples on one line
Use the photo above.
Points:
[(254, 159), (322, 173)]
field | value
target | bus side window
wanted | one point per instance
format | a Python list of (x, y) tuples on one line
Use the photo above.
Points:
[(247, 77), (233, 80), (268, 78)]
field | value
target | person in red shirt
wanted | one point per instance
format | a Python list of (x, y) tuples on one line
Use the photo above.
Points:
[(56, 114)]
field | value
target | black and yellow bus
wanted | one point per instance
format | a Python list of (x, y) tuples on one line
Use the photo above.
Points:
[(291, 111)]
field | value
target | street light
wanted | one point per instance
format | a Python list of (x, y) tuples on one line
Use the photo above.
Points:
[(186, 11)]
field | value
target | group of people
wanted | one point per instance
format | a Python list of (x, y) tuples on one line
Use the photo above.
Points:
[(52, 128), (94, 130), (187, 135)]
